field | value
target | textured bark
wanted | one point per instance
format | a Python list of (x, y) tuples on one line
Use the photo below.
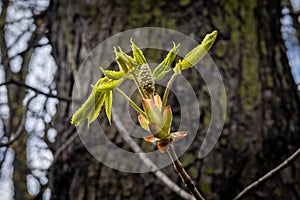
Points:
[(262, 125)]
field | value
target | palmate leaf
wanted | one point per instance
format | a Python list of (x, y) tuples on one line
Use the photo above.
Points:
[(90, 109), (107, 85), (195, 55), (114, 75), (164, 67), (138, 54), (108, 104), (126, 63)]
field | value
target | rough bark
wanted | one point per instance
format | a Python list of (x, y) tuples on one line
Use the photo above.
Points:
[(262, 125)]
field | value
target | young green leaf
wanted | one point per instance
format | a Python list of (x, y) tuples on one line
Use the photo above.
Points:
[(108, 104), (107, 85), (195, 55), (90, 109), (115, 75), (126, 63), (138, 54), (164, 67)]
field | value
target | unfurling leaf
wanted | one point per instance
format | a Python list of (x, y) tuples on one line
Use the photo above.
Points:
[(157, 132), (195, 55), (126, 63), (90, 109), (138, 54), (143, 122), (107, 85), (115, 75), (168, 117), (164, 67), (151, 138), (108, 104)]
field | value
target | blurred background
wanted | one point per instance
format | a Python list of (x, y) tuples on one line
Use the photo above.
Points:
[(43, 44)]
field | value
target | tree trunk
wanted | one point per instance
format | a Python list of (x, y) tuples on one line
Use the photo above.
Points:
[(262, 125)]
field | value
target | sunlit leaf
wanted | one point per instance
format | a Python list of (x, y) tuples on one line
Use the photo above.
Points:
[(179, 135), (115, 75), (138, 54), (168, 117), (165, 66), (151, 138), (107, 85), (126, 63), (195, 55), (90, 109), (143, 122), (108, 104)]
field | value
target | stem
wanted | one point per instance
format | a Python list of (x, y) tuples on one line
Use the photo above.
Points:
[(133, 105), (139, 86), (186, 179), (168, 88), (269, 174)]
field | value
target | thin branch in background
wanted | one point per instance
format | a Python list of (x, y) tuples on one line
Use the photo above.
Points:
[(21, 84), (64, 146), (20, 128), (271, 173)]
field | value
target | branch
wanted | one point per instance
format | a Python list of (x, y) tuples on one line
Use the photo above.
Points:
[(269, 174), (133, 105), (20, 127), (64, 145), (21, 84), (168, 88), (186, 179)]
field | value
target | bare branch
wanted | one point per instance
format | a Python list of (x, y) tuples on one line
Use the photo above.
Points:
[(64, 145), (186, 179), (21, 84), (269, 174), (19, 131)]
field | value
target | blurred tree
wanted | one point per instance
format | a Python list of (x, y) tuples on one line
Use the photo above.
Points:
[(22, 36), (262, 125)]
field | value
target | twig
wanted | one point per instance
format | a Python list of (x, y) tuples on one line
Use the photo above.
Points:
[(168, 88), (21, 84), (133, 105), (269, 174), (20, 127), (158, 173), (186, 179), (64, 145)]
